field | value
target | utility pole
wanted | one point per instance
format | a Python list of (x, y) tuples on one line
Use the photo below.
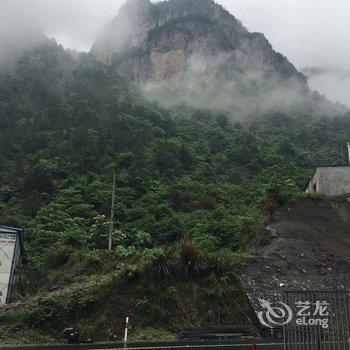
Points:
[(111, 225), (349, 151)]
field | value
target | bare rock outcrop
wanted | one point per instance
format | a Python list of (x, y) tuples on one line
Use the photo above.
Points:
[(181, 37)]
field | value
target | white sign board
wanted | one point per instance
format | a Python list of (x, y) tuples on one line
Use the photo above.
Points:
[(7, 251)]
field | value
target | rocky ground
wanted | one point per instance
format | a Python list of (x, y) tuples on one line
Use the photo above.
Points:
[(305, 246)]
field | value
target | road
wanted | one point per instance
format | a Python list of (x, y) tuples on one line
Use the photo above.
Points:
[(152, 346)]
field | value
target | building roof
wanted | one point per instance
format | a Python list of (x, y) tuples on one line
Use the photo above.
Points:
[(333, 166), (11, 230), (16, 231)]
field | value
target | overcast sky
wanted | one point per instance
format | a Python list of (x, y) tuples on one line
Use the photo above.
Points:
[(309, 32)]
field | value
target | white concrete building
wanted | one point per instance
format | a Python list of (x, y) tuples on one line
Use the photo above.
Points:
[(330, 180), (11, 252)]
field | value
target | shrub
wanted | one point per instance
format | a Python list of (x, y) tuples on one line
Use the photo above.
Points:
[(190, 256)]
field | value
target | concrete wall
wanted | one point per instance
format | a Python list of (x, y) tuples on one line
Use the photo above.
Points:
[(332, 181), (8, 250), (17, 259)]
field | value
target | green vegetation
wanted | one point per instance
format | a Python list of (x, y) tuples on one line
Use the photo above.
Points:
[(161, 289), (179, 24), (192, 189), (134, 52)]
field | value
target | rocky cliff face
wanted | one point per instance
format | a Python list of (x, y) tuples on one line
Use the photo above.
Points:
[(199, 46), (196, 37)]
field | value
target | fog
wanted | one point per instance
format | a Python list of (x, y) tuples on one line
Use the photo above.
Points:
[(309, 33), (334, 83)]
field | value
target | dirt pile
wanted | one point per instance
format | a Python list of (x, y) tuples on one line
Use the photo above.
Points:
[(305, 246)]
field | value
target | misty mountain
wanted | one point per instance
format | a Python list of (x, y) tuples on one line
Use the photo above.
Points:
[(197, 37), (192, 187), (194, 51), (192, 190)]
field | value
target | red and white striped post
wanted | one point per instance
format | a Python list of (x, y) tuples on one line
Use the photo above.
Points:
[(126, 331)]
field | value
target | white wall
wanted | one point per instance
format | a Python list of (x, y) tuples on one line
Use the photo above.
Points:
[(333, 181), (7, 251)]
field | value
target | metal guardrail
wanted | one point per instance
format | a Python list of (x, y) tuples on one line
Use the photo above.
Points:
[(232, 333), (321, 320), (182, 345)]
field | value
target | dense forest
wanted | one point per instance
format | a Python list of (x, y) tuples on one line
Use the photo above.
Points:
[(193, 187)]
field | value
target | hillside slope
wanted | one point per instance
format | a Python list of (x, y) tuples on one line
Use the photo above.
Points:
[(192, 189)]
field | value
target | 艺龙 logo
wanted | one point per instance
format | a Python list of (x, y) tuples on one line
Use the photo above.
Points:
[(306, 313), (274, 315)]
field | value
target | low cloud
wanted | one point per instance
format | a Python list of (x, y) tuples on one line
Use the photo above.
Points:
[(334, 83)]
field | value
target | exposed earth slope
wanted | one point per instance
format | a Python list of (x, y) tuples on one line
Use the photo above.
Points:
[(305, 246)]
